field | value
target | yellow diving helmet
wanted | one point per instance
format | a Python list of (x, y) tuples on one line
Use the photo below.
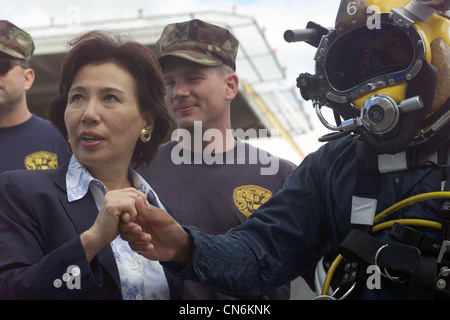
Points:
[(384, 70)]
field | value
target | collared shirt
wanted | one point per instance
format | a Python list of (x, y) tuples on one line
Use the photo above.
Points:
[(140, 278)]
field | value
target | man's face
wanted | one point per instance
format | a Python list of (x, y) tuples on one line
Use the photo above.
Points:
[(389, 53), (195, 93), (13, 83)]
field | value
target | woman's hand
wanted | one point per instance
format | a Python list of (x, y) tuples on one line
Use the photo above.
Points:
[(117, 205)]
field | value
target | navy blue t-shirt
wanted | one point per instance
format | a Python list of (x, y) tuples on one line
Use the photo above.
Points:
[(34, 144), (216, 196)]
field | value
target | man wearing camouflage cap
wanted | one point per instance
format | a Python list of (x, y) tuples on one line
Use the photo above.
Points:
[(199, 42), (26, 141), (199, 62)]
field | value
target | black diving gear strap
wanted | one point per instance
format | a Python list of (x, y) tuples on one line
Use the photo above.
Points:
[(396, 256)]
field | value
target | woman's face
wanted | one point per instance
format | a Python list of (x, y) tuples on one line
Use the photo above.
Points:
[(102, 117)]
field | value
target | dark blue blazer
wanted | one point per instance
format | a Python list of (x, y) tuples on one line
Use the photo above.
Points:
[(40, 238)]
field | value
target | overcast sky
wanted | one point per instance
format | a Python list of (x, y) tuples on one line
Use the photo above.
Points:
[(274, 17)]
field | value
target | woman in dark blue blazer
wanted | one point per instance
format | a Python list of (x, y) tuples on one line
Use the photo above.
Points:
[(59, 228)]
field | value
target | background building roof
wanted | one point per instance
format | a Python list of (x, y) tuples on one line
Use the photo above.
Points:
[(264, 100)]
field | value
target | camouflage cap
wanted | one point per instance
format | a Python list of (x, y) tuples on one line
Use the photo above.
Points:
[(15, 42), (200, 42)]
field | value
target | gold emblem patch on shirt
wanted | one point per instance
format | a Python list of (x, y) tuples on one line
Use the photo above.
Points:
[(41, 160), (249, 198)]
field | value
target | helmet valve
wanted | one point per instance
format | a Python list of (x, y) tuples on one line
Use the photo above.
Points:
[(380, 113)]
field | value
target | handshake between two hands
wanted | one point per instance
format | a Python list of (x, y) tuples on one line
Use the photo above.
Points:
[(155, 234), (149, 230)]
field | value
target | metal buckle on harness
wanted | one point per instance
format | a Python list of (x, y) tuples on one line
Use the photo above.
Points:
[(386, 273), (445, 244)]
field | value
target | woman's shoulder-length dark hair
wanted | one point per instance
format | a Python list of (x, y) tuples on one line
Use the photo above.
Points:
[(136, 58)]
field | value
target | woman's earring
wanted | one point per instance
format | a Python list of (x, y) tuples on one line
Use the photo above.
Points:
[(145, 135)]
